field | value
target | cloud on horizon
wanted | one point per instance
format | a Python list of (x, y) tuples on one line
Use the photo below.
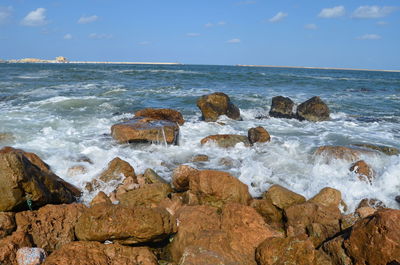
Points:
[(5, 13), (334, 12), (87, 20), (35, 18), (234, 41), (310, 26), (369, 37), (278, 17), (373, 11)]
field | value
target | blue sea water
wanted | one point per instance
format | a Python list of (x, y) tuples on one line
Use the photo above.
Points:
[(64, 111)]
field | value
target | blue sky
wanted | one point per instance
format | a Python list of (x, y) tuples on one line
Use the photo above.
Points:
[(356, 34)]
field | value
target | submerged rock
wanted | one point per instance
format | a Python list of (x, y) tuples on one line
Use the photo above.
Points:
[(226, 140), (381, 148), (339, 152), (214, 105), (140, 130), (161, 114), (363, 171), (200, 158), (282, 107), (313, 109), (258, 135)]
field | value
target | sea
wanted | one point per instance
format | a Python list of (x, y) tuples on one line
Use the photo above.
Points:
[(64, 112)]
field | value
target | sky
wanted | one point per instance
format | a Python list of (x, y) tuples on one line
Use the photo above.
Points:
[(329, 33)]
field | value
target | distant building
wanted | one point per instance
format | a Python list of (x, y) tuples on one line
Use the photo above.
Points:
[(61, 59)]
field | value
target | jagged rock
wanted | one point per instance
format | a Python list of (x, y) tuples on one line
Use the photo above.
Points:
[(152, 177), (313, 109), (271, 214), (216, 104), (101, 197), (181, 176), (363, 170), (374, 203), (149, 195), (282, 197), (7, 223), (161, 114), (388, 150), (226, 140), (281, 107), (258, 135), (118, 169), (10, 245), (30, 256)]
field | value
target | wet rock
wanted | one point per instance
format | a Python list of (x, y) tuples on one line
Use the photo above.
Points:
[(228, 162), (328, 197), (123, 224), (226, 140), (381, 148), (52, 226), (10, 245), (76, 171), (139, 130), (101, 197), (117, 169), (216, 104), (365, 211), (161, 114), (313, 109), (271, 214), (149, 195), (35, 183), (258, 135), (363, 170), (348, 220), (338, 152), (181, 176), (6, 137), (282, 197), (95, 253), (200, 158), (152, 177), (374, 203), (281, 107), (7, 223), (30, 256)]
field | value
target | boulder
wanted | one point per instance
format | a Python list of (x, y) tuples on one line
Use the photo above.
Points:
[(10, 245), (281, 107), (334, 249), (313, 109), (374, 203), (340, 152), (271, 214), (181, 176), (151, 177), (95, 253), (216, 104), (363, 171), (123, 224), (195, 255), (365, 211), (226, 140), (30, 256), (24, 183), (388, 150), (258, 135), (282, 197), (117, 169), (139, 130), (328, 197), (101, 197), (52, 226), (161, 114), (149, 195), (7, 223)]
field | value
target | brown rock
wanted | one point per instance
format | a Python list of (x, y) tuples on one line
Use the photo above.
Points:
[(258, 135), (22, 181), (217, 188), (7, 223), (374, 203), (149, 195), (328, 197), (181, 176), (364, 171), (200, 158), (117, 169), (172, 205), (6, 137), (226, 140), (216, 104), (10, 245), (161, 114), (271, 214), (76, 171), (339, 152), (52, 226), (195, 255), (140, 130), (381, 148), (152, 177), (365, 211), (281, 107), (335, 250), (95, 253), (101, 197), (282, 197), (30, 256), (313, 109), (348, 220), (123, 224)]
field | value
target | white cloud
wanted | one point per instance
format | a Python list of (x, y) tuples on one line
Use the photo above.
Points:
[(233, 41), (192, 34), (278, 17), (100, 36), (337, 11), (381, 23), (89, 19), (35, 18), (373, 11), (220, 23), (67, 36), (311, 26), (370, 37), (5, 13)]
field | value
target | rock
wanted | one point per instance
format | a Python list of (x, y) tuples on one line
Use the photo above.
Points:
[(6, 137), (10, 245), (374, 203), (30, 256), (123, 224), (118, 169), (161, 114), (313, 109), (95, 253), (282, 197), (7, 223), (216, 104), (101, 197), (364, 171), (226, 140), (328, 197), (397, 199), (152, 177), (52, 226), (271, 214), (181, 176), (76, 171), (139, 130), (149, 195), (194, 255), (217, 188), (334, 248), (348, 220), (281, 107), (172, 205), (200, 158), (381, 148), (35, 183), (258, 135), (365, 211), (339, 152)]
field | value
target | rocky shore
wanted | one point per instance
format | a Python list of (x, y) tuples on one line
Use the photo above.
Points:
[(201, 217)]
